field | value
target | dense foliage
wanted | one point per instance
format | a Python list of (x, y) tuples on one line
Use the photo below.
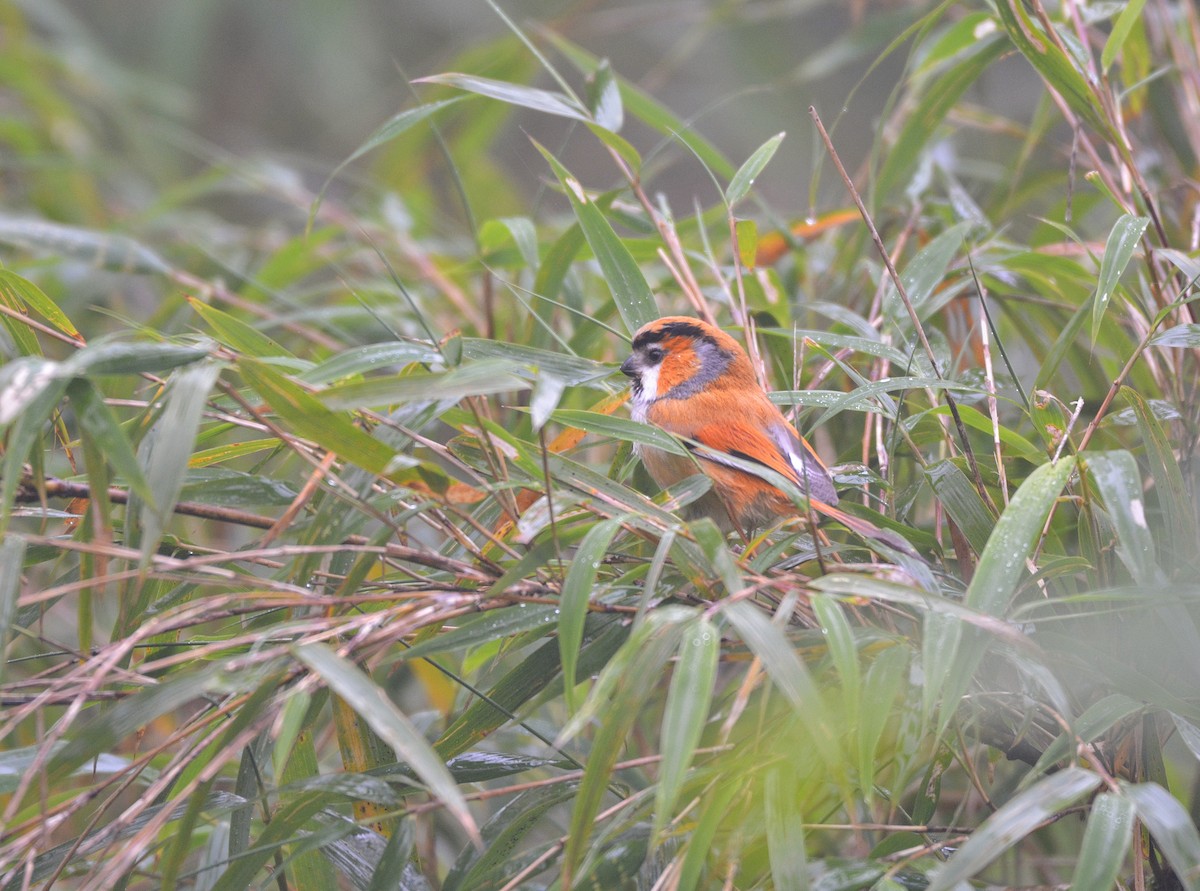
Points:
[(326, 560)]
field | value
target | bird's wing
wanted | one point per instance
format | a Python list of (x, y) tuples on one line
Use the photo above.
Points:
[(775, 446), (780, 448)]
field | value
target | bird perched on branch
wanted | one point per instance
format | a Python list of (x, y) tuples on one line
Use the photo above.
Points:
[(696, 382)]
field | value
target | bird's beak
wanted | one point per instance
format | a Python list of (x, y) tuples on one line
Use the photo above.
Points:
[(629, 368)]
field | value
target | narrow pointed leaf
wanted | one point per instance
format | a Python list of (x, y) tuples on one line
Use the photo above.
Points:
[(744, 179), (1115, 475), (688, 701), (1106, 841), (513, 94), (370, 702), (630, 292), (1118, 250), (1002, 562), (1013, 822), (577, 592), (1173, 829)]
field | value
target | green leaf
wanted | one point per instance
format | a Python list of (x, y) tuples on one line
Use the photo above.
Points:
[(544, 101), (132, 358), (925, 271), (790, 675), (961, 500), (577, 592), (1116, 477), (649, 110), (1184, 337), (630, 292), (619, 428), (1174, 500), (524, 236), (602, 637), (745, 232), (1012, 542), (688, 702), (923, 123), (30, 391), (1116, 39), (311, 419), (1106, 841), (492, 625), (785, 828), (1172, 828), (1118, 250), (740, 185), (372, 357), (476, 379), (1012, 822), (236, 334), (105, 249), (621, 146), (96, 420), (489, 867), (288, 822), (12, 562), (165, 450), (1100, 717), (604, 98), (21, 290), (394, 727), (622, 697), (1058, 69), (392, 128), (888, 671), (573, 370)]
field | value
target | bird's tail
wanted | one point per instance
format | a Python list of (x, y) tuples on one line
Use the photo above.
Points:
[(864, 528)]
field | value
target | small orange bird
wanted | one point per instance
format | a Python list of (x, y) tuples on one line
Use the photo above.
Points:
[(696, 382)]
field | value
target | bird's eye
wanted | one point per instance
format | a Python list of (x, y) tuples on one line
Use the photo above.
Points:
[(654, 354)]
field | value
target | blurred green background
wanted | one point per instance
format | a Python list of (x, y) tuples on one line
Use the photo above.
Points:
[(312, 79)]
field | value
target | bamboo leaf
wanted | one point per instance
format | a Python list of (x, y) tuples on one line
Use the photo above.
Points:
[(1118, 251), (632, 295), (743, 180), (511, 94), (236, 334), (649, 110), (1172, 827), (104, 249), (648, 649), (311, 419), (962, 502), (785, 828), (475, 379), (577, 590), (1115, 475), (1116, 39), (619, 428), (787, 672), (1106, 841), (1012, 541), (1056, 67), (164, 451), (1012, 822), (20, 290), (97, 421), (394, 727), (12, 563), (924, 123), (688, 701)]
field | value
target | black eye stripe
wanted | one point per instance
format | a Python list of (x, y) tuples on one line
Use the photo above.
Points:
[(673, 329)]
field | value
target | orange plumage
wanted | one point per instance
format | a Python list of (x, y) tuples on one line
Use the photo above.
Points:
[(696, 382)]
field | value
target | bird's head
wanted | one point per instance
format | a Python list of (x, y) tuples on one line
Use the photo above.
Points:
[(677, 357)]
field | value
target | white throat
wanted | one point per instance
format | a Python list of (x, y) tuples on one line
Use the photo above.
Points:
[(649, 392)]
